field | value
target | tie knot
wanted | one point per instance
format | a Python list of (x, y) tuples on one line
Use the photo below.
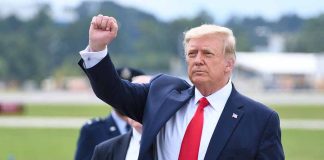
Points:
[(203, 102)]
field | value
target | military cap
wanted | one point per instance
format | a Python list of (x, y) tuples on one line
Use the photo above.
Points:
[(128, 73)]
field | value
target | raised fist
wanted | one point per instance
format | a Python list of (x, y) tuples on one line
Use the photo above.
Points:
[(103, 30)]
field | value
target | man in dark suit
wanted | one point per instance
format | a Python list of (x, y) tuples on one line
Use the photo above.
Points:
[(98, 130), (123, 147), (210, 120), (113, 149)]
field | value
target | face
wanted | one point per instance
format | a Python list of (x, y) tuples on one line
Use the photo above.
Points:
[(135, 124), (208, 67)]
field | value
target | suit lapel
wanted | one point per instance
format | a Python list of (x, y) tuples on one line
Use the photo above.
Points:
[(174, 101), (227, 123), (171, 105), (124, 146)]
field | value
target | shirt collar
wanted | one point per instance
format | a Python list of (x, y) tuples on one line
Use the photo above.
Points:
[(218, 98), (136, 135)]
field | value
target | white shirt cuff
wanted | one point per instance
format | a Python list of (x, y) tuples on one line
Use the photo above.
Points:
[(92, 58)]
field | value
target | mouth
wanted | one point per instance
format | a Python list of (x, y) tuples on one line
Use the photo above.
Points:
[(199, 72)]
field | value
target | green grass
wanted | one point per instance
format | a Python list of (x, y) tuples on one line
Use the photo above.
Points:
[(53, 144), (88, 110), (303, 144), (66, 110), (37, 144), (300, 112)]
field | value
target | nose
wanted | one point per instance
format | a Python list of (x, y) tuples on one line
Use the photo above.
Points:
[(199, 58)]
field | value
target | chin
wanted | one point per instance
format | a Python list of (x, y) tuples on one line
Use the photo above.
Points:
[(198, 81)]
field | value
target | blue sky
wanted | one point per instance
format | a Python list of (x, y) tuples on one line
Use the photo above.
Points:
[(171, 9)]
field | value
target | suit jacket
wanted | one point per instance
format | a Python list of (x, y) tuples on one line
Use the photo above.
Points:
[(93, 133), (113, 149), (253, 134)]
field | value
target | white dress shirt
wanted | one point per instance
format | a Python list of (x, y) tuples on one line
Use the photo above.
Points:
[(134, 146), (170, 136), (92, 58)]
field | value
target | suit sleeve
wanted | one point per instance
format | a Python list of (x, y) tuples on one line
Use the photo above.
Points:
[(125, 96), (270, 146)]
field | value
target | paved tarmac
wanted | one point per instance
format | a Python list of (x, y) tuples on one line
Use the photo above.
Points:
[(64, 122), (89, 97)]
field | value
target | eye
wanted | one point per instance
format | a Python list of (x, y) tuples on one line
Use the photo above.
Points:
[(192, 54), (208, 54)]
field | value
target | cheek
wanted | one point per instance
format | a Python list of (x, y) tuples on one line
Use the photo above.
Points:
[(217, 68), (189, 66)]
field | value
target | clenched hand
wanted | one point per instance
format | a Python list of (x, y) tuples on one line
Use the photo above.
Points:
[(103, 30)]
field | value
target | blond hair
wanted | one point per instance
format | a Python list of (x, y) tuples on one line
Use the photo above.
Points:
[(210, 29)]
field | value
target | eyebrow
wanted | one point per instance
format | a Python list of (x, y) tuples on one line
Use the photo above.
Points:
[(204, 49), (208, 50)]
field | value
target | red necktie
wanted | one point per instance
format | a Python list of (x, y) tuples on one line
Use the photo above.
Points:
[(191, 140)]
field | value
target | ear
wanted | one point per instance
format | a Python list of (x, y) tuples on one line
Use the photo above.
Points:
[(229, 64)]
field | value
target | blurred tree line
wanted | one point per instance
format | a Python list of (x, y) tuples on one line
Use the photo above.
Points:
[(40, 47)]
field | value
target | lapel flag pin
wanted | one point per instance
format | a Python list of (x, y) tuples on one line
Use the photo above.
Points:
[(234, 115), (112, 129)]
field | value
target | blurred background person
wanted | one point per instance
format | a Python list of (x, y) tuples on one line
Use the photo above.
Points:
[(98, 130), (124, 146)]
